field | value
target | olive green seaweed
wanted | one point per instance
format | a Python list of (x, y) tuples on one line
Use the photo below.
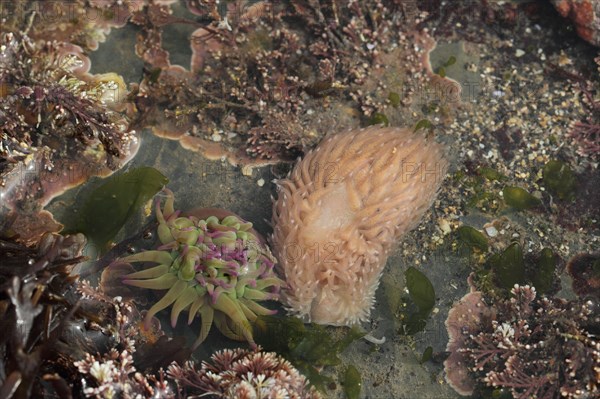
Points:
[(472, 237), (508, 266), (490, 173), (306, 346), (379, 119), (427, 353), (559, 179), (423, 124), (106, 209), (394, 99), (543, 274), (519, 198), (352, 382), (422, 295), (420, 289)]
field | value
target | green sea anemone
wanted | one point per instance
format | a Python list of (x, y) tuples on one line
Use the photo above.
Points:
[(215, 267)]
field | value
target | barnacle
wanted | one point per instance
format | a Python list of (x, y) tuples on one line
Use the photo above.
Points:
[(215, 268)]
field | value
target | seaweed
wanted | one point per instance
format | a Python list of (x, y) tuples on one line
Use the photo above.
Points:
[(559, 179), (394, 99), (519, 198), (490, 174), (482, 183), (423, 124), (49, 99), (52, 321), (502, 270), (472, 238), (532, 346), (542, 276), (427, 354), (422, 300), (106, 210), (308, 347), (35, 310), (379, 118), (352, 382), (508, 266)]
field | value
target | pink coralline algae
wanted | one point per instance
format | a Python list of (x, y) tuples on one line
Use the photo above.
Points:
[(104, 353), (85, 23), (268, 80), (115, 375), (242, 374), (341, 211), (534, 347), (215, 267)]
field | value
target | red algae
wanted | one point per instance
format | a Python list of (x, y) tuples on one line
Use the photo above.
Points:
[(467, 314), (529, 345), (60, 125), (270, 80)]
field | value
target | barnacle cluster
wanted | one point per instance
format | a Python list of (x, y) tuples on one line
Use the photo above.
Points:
[(534, 347), (215, 268)]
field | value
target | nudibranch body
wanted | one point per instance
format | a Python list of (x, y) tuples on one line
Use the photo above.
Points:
[(340, 212)]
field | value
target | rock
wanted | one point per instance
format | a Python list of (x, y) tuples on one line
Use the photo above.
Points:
[(585, 14)]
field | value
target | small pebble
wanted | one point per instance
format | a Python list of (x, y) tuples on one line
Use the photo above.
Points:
[(491, 231), (444, 226), (260, 182)]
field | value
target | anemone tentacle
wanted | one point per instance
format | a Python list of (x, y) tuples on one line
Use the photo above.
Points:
[(153, 272), (216, 269), (159, 283), (150, 256)]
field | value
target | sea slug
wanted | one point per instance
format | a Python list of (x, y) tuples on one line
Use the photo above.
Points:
[(340, 212)]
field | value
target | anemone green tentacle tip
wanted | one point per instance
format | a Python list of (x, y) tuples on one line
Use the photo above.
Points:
[(214, 268)]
